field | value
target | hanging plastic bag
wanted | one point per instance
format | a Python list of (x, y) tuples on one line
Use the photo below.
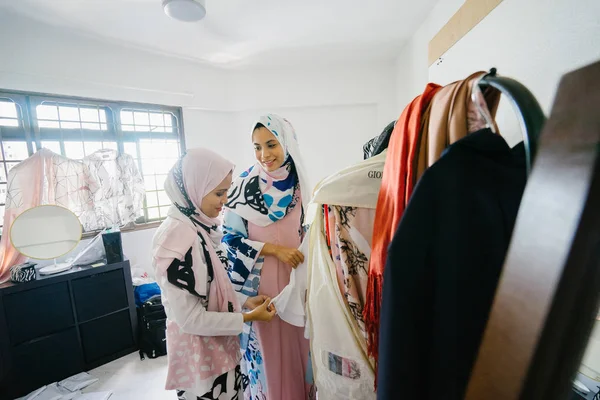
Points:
[(92, 253)]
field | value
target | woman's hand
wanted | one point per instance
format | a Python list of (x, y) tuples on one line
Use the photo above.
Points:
[(263, 312), (286, 255), (253, 302)]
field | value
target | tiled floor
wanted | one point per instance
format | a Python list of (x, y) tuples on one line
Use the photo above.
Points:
[(132, 379)]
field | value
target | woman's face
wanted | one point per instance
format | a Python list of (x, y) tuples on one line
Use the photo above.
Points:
[(212, 203), (267, 149)]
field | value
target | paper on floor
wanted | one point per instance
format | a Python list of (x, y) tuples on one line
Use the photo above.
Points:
[(94, 396), (78, 382), (50, 392), (33, 394)]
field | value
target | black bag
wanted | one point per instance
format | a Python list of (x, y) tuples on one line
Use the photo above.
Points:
[(152, 323)]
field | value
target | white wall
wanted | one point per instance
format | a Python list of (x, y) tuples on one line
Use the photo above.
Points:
[(562, 36), (412, 63), (334, 109), (533, 41)]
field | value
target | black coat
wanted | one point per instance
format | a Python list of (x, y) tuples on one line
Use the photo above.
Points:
[(443, 267)]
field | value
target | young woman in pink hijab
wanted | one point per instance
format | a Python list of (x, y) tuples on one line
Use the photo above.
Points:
[(203, 311), (263, 230)]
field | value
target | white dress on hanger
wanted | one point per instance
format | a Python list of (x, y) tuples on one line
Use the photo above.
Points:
[(116, 187)]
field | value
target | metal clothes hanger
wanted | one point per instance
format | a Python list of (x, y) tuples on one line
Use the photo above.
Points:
[(528, 110)]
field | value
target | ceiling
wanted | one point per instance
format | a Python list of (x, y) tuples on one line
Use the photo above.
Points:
[(239, 33)]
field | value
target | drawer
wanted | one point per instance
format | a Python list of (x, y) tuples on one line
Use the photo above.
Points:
[(38, 312), (100, 294), (44, 361), (105, 336)]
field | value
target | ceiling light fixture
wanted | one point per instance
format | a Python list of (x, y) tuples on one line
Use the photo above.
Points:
[(185, 10)]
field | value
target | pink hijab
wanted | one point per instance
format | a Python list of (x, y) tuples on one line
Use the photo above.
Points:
[(194, 176)]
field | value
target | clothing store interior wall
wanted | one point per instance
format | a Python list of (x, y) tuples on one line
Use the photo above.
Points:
[(339, 86)]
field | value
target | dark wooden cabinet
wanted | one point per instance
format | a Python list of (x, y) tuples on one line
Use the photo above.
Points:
[(64, 324)]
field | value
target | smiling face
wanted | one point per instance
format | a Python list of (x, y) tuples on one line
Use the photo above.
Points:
[(267, 149), (212, 203)]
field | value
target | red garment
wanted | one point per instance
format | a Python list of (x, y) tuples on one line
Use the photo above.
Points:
[(396, 188)]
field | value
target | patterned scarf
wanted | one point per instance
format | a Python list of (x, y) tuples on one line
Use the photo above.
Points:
[(263, 197)]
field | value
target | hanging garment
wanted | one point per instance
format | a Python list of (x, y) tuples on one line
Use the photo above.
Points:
[(117, 189), (202, 309), (451, 114), (447, 117), (337, 250), (443, 266), (268, 207), (379, 143), (44, 178), (396, 188)]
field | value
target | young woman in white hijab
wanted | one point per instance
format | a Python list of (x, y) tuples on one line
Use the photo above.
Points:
[(263, 230), (204, 315)]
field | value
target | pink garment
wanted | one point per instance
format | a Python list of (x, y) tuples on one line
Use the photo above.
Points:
[(349, 231), (283, 346), (29, 175), (193, 357)]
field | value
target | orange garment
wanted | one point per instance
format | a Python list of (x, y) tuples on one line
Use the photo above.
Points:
[(396, 187)]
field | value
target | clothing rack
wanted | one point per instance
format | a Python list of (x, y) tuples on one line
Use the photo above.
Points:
[(528, 110)]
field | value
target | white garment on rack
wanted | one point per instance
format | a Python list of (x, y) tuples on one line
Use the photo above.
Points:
[(341, 368), (355, 186), (117, 189)]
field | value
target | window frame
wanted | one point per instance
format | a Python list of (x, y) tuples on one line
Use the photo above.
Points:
[(30, 131)]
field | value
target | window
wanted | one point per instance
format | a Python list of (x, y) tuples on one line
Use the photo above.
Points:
[(76, 128)]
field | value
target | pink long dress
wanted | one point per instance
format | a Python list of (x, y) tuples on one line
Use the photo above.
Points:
[(284, 348)]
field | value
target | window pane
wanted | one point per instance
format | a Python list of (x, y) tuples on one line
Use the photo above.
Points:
[(2, 193), (130, 148), (163, 199), (91, 147), (49, 124), (127, 128), (2, 173), (52, 146), (50, 115), (171, 149), (74, 150), (164, 211), (153, 148), (15, 150), (90, 126), (9, 122), (151, 199), (150, 182), (46, 111), (127, 117), (157, 119), (160, 181), (90, 114), (68, 113), (157, 129), (150, 149), (8, 109), (109, 145), (153, 213), (70, 125), (8, 113), (141, 118), (163, 165), (147, 167)]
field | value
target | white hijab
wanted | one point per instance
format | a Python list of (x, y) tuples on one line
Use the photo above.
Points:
[(263, 197)]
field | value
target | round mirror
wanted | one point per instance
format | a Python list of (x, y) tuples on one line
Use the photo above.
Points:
[(45, 232)]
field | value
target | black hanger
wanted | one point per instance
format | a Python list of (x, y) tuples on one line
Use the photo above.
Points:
[(530, 114)]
